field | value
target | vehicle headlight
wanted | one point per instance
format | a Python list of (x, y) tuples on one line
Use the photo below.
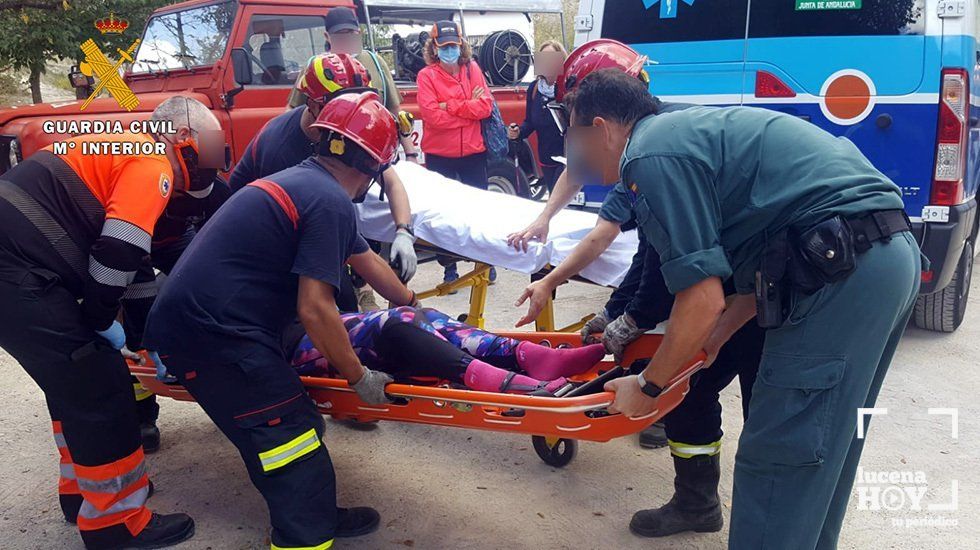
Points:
[(14, 152), (9, 153)]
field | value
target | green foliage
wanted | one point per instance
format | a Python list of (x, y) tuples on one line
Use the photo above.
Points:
[(30, 37), (9, 84), (547, 26), (61, 81)]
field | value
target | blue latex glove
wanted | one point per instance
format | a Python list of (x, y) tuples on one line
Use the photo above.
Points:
[(115, 335), (162, 374)]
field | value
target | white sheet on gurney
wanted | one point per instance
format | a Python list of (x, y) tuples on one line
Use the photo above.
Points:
[(474, 224)]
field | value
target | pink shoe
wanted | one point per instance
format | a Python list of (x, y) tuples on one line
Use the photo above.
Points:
[(547, 363), (481, 376)]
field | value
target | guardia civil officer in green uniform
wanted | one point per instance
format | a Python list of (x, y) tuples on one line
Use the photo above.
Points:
[(775, 203)]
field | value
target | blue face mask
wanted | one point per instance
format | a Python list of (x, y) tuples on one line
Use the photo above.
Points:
[(449, 54)]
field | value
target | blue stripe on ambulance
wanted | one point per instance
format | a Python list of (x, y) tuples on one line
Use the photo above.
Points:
[(906, 92)]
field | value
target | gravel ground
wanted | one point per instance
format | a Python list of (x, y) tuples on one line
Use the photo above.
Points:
[(449, 488)]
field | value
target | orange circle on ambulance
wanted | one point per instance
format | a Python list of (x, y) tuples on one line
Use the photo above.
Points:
[(847, 97)]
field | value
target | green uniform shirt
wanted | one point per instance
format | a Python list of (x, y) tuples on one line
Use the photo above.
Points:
[(617, 207), (713, 182)]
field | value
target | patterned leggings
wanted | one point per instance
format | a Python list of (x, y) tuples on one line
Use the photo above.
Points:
[(407, 342)]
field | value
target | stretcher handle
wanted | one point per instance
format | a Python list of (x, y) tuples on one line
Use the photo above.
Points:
[(585, 402), (600, 381), (474, 397), (619, 371), (687, 372)]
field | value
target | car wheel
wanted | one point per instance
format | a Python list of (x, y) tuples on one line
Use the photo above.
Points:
[(504, 177), (944, 311)]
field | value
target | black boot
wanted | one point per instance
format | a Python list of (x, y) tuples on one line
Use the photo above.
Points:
[(694, 506), (653, 437), (151, 437), (355, 522), (163, 530)]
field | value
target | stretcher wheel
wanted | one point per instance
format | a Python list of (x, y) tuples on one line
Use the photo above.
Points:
[(462, 317), (555, 451)]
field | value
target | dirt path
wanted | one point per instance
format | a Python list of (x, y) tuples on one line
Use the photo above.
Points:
[(448, 488)]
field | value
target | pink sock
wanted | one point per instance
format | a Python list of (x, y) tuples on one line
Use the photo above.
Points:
[(547, 363), (481, 376)]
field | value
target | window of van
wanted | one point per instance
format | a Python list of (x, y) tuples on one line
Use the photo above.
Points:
[(632, 22), (778, 18)]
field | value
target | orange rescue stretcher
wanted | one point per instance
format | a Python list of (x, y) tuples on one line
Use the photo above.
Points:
[(478, 281), (577, 412)]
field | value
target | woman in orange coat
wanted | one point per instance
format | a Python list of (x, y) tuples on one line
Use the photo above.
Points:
[(453, 98)]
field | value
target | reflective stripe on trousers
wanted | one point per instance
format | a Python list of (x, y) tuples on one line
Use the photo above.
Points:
[(685, 450), (141, 392), (114, 493), (67, 485), (288, 452), (324, 546)]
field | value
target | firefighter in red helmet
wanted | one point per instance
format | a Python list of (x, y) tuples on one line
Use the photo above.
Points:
[(290, 138), (280, 247)]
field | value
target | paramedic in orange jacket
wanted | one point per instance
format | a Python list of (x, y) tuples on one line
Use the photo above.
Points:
[(75, 229)]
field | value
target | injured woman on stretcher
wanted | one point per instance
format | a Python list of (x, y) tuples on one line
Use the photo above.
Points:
[(408, 342)]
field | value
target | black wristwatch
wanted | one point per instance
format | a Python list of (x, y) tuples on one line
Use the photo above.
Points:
[(648, 388), (411, 155), (406, 227)]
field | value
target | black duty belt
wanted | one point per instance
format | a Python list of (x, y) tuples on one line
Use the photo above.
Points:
[(877, 226), (823, 254)]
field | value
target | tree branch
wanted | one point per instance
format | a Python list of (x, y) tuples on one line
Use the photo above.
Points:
[(37, 4)]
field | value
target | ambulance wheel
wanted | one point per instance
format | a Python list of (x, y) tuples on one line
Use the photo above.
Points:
[(945, 310), (555, 451)]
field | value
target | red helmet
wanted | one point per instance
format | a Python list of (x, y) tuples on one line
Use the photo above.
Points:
[(363, 120), (328, 73), (603, 53)]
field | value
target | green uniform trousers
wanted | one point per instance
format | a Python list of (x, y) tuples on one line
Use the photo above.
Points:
[(798, 452)]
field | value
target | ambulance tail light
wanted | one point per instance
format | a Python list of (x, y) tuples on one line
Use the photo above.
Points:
[(769, 85), (951, 138)]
